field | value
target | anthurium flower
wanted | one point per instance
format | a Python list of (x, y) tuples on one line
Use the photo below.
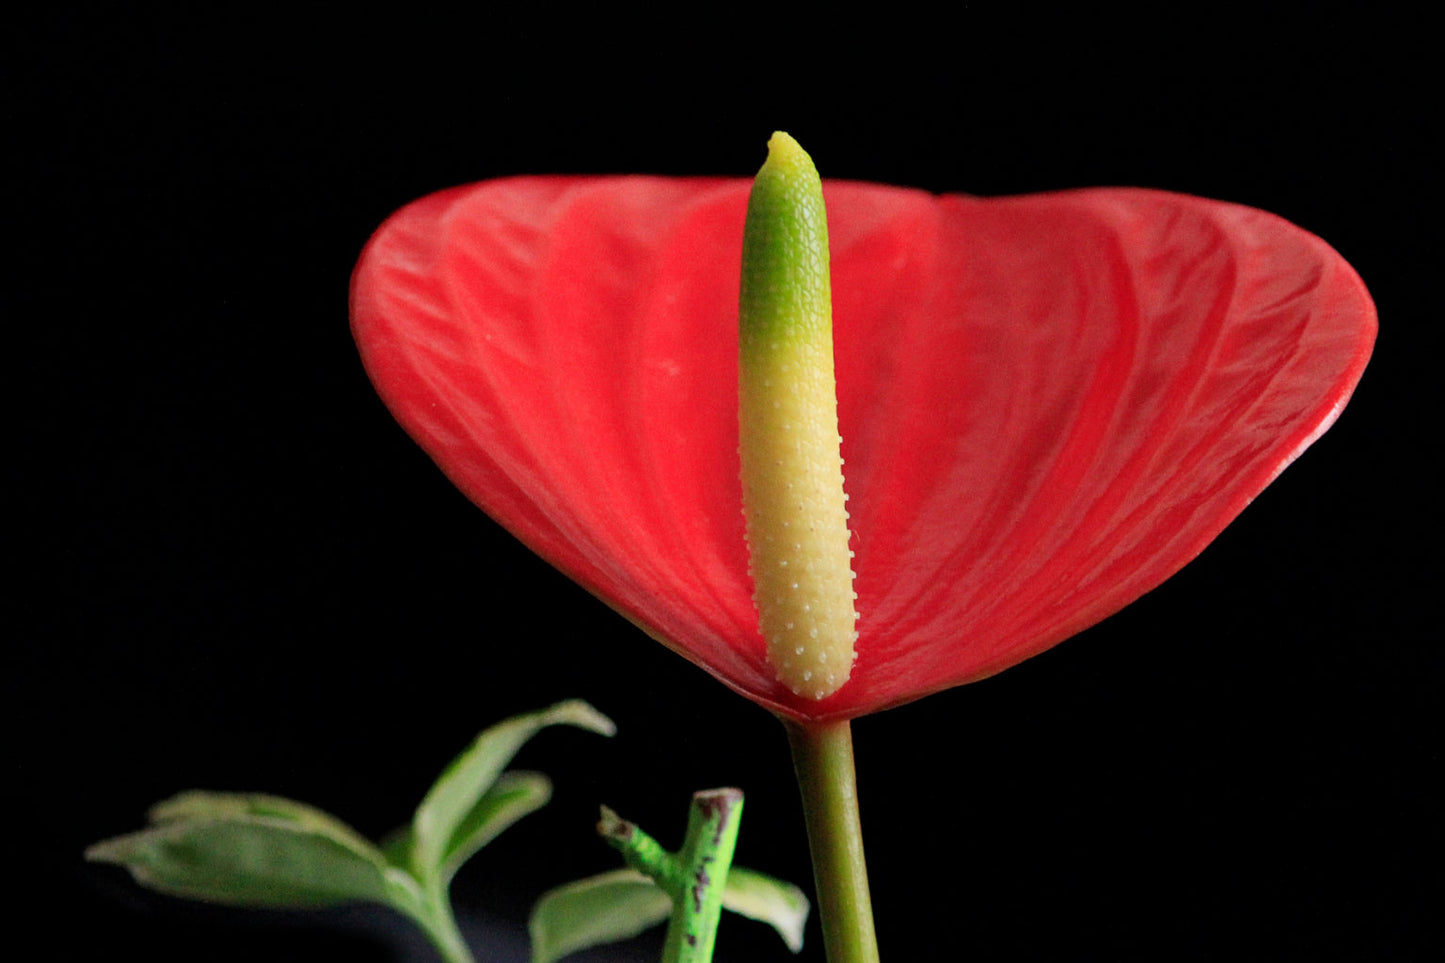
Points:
[(1048, 403)]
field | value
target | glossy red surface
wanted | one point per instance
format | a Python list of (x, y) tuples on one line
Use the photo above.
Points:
[(1049, 403)]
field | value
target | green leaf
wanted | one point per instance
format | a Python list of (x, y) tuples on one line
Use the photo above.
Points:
[(455, 795), (253, 850), (781, 905), (200, 805), (620, 905), (512, 796), (601, 909), (396, 848)]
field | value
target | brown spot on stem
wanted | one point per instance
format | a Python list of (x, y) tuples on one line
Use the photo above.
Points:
[(614, 828), (717, 803), (699, 888)]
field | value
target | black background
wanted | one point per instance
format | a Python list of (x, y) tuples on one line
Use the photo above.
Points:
[(238, 573)]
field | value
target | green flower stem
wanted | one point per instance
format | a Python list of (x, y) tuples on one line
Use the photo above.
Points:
[(823, 759), (695, 877)]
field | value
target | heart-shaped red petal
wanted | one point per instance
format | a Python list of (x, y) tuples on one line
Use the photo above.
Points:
[(1049, 403)]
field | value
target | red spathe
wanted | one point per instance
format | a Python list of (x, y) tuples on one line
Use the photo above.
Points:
[(1048, 403)]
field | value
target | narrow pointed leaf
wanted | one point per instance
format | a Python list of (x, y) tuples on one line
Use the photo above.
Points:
[(512, 796), (591, 912), (781, 905), (1048, 403), (450, 804), (252, 850)]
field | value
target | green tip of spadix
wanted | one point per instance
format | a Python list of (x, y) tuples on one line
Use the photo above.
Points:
[(785, 289), (784, 151)]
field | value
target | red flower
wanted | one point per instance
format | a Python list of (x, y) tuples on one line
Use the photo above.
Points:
[(1049, 403)]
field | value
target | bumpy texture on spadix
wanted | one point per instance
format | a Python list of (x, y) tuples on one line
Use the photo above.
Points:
[(793, 499), (1048, 403)]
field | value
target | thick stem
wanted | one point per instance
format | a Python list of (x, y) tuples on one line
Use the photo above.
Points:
[(705, 858), (823, 759), (695, 877)]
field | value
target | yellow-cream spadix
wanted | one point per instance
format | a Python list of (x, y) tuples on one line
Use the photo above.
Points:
[(792, 469)]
